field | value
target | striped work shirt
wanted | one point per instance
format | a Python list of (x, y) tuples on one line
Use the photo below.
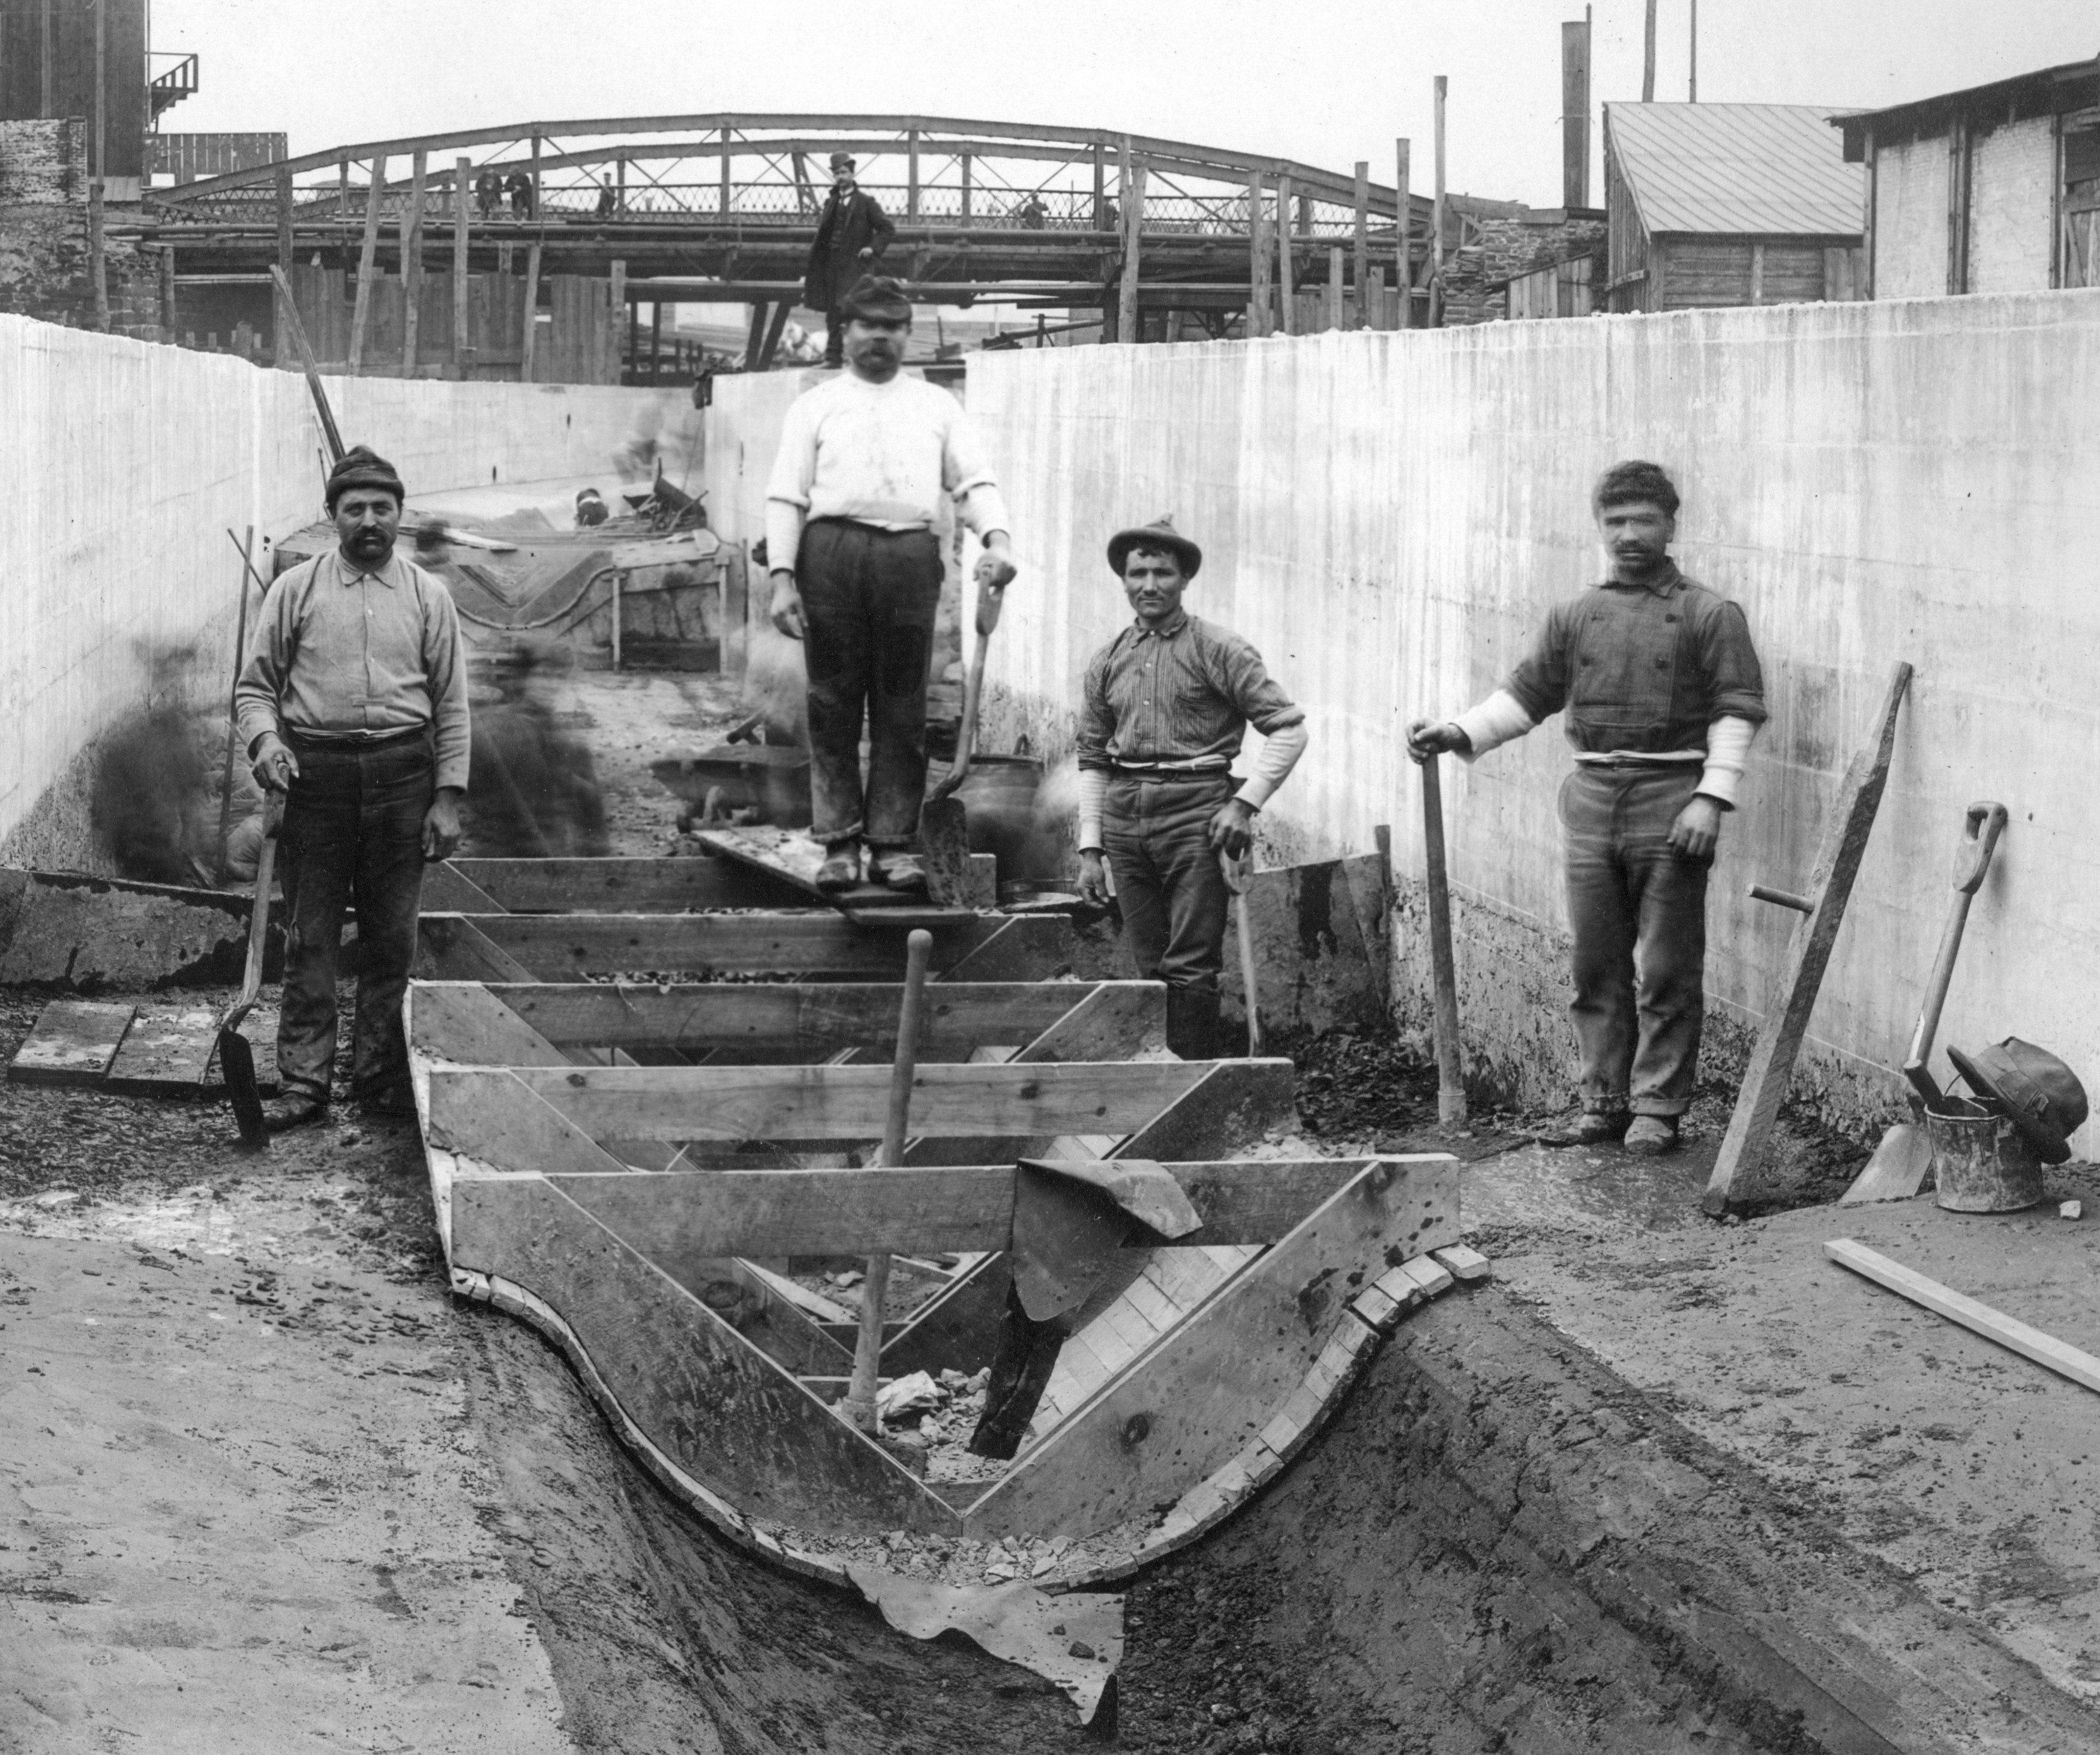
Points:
[(1181, 698)]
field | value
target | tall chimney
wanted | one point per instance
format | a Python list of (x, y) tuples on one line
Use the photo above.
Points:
[(1575, 113)]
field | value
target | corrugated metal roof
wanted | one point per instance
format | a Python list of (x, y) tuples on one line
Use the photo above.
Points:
[(1761, 168)]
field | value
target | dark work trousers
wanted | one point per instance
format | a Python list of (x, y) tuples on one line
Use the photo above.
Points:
[(353, 836), (1156, 833), (1637, 911), (868, 602)]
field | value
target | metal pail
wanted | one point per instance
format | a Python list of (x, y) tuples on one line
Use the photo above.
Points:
[(1982, 1163)]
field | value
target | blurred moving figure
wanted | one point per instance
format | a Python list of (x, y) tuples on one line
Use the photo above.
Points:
[(535, 790)]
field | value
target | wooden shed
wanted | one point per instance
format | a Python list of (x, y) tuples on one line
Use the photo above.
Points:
[(1729, 203)]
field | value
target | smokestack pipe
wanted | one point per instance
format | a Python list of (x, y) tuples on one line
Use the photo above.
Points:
[(1575, 113), (1694, 50), (1648, 58)]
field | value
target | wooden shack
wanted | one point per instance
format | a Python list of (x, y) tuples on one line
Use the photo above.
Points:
[(1729, 203)]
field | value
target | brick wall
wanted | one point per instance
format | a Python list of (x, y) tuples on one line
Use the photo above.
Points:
[(2011, 170), (43, 236), (1474, 279)]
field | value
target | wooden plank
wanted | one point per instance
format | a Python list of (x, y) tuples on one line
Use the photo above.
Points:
[(545, 947), (462, 210), (448, 890), (911, 1210), (1015, 951), (701, 1391), (956, 1329), (465, 1022), (2059, 1356), (811, 1021), (165, 1054), (490, 1115), (789, 856), (1836, 865), (360, 318), (412, 261), (626, 886), (530, 329), (73, 1042), (1190, 1402), (851, 1102)]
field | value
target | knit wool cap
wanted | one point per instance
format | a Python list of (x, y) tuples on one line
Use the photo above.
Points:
[(876, 298), (361, 466)]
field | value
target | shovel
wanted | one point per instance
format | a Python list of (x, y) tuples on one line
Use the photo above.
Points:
[(1236, 872), (944, 825), (236, 1059), (1897, 1170)]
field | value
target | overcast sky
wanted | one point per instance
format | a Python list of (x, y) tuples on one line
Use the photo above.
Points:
[(1326, 82)]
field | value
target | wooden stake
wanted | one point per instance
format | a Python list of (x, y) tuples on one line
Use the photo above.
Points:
[(233, 705), (1437, 221), (1334, 307), (462, 196), (859, 1405), (1130, 190), (1286, 293), (1362, 263), (306, 353), (1258, 307), (532, 313), (1403, 236), (1450, 1078), (1830, 887), (411, 264), (287, 356), (368, 260)]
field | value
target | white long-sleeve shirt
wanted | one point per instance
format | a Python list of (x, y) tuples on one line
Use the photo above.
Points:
[(879, 454), (1501, 718)]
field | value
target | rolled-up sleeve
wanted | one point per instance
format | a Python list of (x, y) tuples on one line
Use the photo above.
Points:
[(966, 473), (1730, 661), (444, 665), (787, 489), (1245, 680)]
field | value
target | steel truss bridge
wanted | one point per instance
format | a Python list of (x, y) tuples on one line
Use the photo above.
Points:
[(723, 208)]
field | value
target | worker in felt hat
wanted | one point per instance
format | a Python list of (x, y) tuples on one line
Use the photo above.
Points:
[(353, 704), (1164, 710), (2039, 1093), (852, 233), (865, 460)]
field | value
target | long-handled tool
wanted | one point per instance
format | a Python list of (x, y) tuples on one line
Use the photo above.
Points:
[(1236, 872), (1450, 1081), (859, 1405), (1897, 1170), (233, 705), (944, 825), (288, 314), (236, 1059)]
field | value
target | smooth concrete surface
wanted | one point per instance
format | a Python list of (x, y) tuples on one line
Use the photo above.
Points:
[(1389, 516)]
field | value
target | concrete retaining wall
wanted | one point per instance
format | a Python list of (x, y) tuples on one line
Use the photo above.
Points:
[(130, 460), (1387, 516)]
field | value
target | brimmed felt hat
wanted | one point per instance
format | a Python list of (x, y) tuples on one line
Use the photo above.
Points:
[(876, 298), (361, 466), (842, 162), (1159, 534), (2040, 1094)]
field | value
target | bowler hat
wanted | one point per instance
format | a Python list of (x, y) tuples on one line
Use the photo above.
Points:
[(1159, 534), (842, 162), (876, 298), (2041, 1095)]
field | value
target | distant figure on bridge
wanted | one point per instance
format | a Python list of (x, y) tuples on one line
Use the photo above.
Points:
[(608, 201), (518, 187), (1033, 214), (851, 236), (488, 191), (865, 461)]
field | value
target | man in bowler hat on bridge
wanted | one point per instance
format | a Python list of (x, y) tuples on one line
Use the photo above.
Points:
[(852, 234)]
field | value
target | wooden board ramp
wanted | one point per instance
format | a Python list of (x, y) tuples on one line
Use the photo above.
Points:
[(787, 856), (645, 885)]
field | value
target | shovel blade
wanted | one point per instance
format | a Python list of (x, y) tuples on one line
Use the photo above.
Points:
[(1896, 1171), (944, 839), (237, 1066)]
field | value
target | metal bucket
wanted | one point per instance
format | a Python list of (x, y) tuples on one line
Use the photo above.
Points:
[(1982, 1162)]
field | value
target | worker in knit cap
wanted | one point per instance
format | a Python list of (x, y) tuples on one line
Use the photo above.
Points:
[(353, 705)]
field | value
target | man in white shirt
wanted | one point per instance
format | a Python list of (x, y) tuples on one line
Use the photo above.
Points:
[(1663, 695), (863, 462)]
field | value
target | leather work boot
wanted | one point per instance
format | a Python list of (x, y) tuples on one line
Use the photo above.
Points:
[(1192, 1023), (295, 1110), (1602, 1127), (897, 870), (840, 869), (1651, 1135)]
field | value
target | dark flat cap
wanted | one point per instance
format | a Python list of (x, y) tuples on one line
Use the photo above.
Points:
[(361, 466), (1159, 534), (876, 298)]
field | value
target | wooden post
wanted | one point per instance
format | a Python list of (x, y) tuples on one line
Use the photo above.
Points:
[(966, 188), (1450, 1078), (1375, 307), (1648, 56), (411, 264), (167, 254), (367, 261), (1334, 273), (532, 313), (1575, 114), (534, 175), (1403, 234), (725, 174), (618, 577), (912, 175), (98, 264), (1362, 264), (657, 336), (1133, 230), (1436, 223), (620, 333), (342, 189), (462, 208), (1286, 293), (1258, 311), (285, 247)]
